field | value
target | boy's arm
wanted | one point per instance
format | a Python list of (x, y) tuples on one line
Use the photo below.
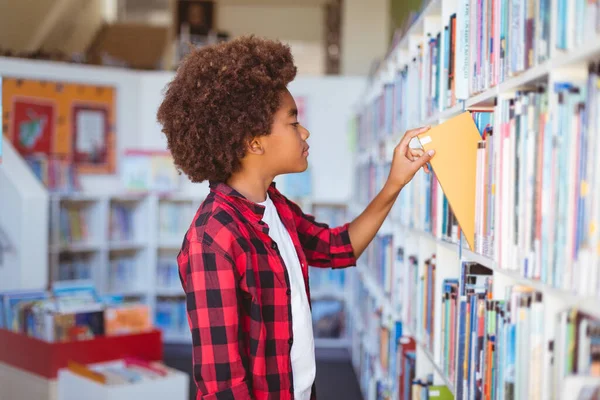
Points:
[(212, 305), (405, 165)]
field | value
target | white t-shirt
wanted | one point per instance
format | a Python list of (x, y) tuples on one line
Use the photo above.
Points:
[(303, 347)]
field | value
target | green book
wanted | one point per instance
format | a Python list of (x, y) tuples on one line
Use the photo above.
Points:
[(440, 393)]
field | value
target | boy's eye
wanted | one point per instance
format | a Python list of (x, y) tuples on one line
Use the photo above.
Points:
[(296, 124)]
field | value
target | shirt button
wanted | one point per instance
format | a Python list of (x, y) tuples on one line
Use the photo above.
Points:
[(292, 390), (274, 245), (290, 341), (288, 292)]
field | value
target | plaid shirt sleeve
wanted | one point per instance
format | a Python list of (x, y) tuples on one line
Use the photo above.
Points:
[(324, 246), (211, 291)]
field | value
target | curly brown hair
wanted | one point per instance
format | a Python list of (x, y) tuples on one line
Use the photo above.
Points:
[(221, 97)]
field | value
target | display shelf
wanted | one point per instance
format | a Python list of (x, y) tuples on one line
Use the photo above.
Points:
[(170, 291), (170, 244), (177, 337), (128, 245), (83, 247)]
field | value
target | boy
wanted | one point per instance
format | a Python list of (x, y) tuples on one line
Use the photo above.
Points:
[(229, 119)]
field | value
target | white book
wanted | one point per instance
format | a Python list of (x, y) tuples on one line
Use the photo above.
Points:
[(461, 55)]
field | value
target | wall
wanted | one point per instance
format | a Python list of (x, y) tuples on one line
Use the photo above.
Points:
[(302, 27), (126, 83), (365, 34), (329, 101)]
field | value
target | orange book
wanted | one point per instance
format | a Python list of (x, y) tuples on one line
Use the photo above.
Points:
[(129, 319), (84, 371), (454, 163)]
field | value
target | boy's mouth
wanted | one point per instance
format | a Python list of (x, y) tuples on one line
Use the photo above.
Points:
[(305, 151)]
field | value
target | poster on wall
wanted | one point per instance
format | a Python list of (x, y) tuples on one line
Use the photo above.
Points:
[(149, 171), (57, 120)]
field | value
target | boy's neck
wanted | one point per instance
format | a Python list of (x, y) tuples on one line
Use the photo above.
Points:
[(252, 186)]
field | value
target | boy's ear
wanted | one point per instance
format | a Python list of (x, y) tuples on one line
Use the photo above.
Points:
[(255, 146)]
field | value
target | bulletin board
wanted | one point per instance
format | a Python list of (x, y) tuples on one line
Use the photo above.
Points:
[(71, 121)]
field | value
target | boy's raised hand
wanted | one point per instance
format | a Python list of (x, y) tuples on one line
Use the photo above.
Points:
[(407, 161)]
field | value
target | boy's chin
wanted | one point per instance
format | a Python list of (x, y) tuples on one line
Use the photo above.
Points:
[(301, 167)]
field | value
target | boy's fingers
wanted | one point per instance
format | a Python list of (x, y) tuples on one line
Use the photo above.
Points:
[(410, 135), (423, 160)]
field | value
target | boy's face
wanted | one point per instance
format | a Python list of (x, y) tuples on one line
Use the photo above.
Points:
[(285, 148)]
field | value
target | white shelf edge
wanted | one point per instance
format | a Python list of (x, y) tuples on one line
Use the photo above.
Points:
[(333, 343), (587, 304), (177, 337), (378, 293), (76, 247), (438, 369), (170, 292), (430, 358), (116, 245), (129, 292)]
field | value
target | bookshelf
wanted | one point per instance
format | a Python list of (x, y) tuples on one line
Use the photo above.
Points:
[(126, 244), (546, 82)]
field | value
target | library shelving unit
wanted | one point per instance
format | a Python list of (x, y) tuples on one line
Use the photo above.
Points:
[(528, 73), (127, 245)]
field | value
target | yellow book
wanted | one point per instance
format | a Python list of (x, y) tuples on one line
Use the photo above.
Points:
[(455, 144)]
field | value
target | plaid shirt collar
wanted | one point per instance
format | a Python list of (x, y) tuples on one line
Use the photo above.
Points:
[(247, 207)]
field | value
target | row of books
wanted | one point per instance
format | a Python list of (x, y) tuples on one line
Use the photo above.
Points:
[(380, 261), (499, 39), (174, 218), (167, 273), (121, 225), (73, 224), (385, 357), (171, 316), (370, 177), (536, 207), (70, 311), (57, 174), (427, 79), (480, 45), (123, 274), (74, 267)]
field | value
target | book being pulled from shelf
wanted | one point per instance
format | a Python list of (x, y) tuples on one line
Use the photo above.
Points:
[(72, 311)]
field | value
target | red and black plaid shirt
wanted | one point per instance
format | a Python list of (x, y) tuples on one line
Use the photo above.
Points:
[(238, 292)]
